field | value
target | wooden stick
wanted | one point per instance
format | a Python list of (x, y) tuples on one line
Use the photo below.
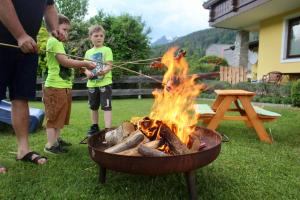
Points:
[(81, 58)]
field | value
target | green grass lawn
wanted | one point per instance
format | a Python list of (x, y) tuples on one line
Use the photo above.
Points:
[(245, 169)]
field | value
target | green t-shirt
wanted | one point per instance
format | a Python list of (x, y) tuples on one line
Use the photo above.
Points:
[(57, 75), (101, 54)]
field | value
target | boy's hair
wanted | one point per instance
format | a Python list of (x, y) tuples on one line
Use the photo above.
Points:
[(96, 28), (63, 19)]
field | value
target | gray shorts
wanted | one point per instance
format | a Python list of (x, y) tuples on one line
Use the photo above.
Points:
[(100, 95)]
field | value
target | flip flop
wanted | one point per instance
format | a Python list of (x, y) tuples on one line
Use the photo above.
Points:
[(3, 169), (28, 157)]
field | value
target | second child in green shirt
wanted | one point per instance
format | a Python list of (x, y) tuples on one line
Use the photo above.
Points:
[(100, 79), (57, 95)]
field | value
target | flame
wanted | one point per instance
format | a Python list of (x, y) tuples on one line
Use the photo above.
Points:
[(174, 105)]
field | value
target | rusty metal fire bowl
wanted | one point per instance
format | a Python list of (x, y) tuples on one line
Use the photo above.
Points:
[(186, 163)]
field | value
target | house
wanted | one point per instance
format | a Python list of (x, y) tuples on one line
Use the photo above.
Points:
[(277, 23), (222, 51)]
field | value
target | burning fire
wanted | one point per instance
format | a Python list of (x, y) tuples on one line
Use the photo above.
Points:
[(174, 105)]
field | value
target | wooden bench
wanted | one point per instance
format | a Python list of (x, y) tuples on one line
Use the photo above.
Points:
[(263, 114), (266, 115), (204, 111)]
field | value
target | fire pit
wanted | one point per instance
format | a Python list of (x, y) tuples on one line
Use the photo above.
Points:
[(186, 163)]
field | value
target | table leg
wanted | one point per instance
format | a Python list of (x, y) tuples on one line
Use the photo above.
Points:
[(254, 119), (220, 112), (242, 113), (217, 102)]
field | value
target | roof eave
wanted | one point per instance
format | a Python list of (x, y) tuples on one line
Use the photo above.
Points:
[(209, 3)]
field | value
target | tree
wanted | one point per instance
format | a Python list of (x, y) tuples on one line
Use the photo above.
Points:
[(75, 10), (42, 42), (126, 35)]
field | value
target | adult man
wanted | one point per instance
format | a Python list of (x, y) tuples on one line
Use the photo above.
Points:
[(20, 21)]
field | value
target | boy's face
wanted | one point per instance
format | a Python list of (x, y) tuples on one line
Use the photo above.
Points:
[(97, 38), (64, 29)]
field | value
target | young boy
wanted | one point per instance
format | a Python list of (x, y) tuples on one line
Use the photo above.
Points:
[(100, 79), (57, 91)]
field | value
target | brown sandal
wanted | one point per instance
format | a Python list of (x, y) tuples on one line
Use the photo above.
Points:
[(28, 158), (3, 169)]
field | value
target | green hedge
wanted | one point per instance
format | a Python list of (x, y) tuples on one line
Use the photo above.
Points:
[(295, 93), (265, 93)]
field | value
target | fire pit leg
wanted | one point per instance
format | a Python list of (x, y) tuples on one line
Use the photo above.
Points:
[(102, 174), (191, 184)]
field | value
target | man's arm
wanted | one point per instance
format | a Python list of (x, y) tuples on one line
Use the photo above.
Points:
[(51, 19), (10, 20)]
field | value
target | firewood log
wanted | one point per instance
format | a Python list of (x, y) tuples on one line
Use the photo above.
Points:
[(130, 152), (147, 151), (195, 144), (134, 151), (127, 128), (153, 144), (117, 135), (176, 146), (133, 140)]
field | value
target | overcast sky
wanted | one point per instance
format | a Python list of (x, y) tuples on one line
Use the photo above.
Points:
[(164, 17)]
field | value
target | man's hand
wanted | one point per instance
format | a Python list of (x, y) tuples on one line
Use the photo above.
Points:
[(58, 35), (89, 65), (27, 44)]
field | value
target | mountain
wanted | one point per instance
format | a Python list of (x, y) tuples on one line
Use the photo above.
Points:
[(197, 42), (163, 40)]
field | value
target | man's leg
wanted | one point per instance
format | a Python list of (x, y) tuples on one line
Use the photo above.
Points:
[(20, 120)]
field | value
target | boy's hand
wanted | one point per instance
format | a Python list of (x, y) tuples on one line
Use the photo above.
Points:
[(101, 73), (90, 65), (89, 74)]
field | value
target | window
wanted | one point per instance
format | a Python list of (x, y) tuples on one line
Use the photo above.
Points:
[(293, 39)]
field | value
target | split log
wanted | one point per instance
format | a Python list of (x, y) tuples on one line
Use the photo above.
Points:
[(153, 144), (195, 143), (134, 151), (133, 140), (117, 135), (147, 151), (176, 146), (130, 152)]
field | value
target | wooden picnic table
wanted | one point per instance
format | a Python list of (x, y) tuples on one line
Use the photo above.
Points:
[(242, 101)]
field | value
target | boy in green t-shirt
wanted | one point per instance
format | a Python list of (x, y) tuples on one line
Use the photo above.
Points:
[(100, 79), (57, 95)]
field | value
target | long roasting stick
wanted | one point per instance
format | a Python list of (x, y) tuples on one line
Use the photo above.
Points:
[(113, 66)]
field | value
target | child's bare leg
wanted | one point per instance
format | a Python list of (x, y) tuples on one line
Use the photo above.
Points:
[(51, 136), (57, 133), (94, 116), (107, 119)]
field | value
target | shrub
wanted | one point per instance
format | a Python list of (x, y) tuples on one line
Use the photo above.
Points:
[(295, 93), (212, 62), (245, 86)]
